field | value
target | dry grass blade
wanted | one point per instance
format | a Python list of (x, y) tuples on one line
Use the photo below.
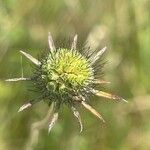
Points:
[(92, 110), (31, 58), (97, 56), (96, 81), (50, 42), (36, 127), (25, 106), (53, 121), (77, 115), (74, 43), (107, 95), (17, 79)]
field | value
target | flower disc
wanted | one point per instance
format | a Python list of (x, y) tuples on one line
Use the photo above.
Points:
[(65, 70)]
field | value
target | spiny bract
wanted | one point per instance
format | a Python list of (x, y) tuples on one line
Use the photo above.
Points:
[(65, 76)]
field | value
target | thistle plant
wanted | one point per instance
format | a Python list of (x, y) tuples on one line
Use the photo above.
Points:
[(65, 76)]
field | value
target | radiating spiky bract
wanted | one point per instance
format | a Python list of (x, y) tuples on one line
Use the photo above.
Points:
[(64, 76)]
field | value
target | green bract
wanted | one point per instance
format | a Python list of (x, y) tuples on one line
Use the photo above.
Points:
[(64, 76)]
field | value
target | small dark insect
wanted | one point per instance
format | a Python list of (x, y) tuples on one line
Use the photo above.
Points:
[(65, 76)]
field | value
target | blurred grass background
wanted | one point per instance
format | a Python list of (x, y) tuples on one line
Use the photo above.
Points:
[(121, 25)]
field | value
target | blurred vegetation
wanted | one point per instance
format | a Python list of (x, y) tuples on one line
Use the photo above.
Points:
[(123, 26)]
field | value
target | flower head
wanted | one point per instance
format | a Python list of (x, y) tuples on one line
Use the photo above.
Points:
[(65, 76)]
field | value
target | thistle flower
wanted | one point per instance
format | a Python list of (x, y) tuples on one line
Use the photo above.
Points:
[(65, 76)]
